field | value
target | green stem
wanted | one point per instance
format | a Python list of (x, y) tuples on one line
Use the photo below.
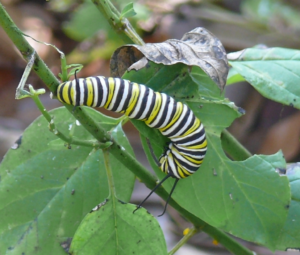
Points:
[(110, 178), (95, 129), (69, 140), (183, 240), (121, 25), (233, 147)]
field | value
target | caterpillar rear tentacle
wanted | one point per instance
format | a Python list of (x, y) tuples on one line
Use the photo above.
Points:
[(173, 119)]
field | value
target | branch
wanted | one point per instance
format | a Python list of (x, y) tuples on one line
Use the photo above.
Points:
[(121, 25)]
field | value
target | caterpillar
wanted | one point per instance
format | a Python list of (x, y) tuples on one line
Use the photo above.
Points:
[(186, 151)]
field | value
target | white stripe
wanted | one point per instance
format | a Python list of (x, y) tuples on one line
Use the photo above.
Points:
[(81, 86), (168, 116), (184, 160), (124, 97), (105, 91), (148, 104), (184, 128), (193, 142), (160, 111), (178, 122), (116, 90), (172, 166), (137, 107), (196, 131), (95, 87)]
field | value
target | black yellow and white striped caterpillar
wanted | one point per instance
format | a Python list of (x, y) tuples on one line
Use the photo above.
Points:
[(173, 119)]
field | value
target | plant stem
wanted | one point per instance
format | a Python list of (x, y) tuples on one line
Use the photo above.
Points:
[(121, 25), (183, 240), (233, 147), (95, 129)]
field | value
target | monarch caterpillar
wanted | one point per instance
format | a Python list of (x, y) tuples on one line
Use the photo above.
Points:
[(173, 119)]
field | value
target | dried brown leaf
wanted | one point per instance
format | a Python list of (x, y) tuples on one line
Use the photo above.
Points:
[(198, 47)]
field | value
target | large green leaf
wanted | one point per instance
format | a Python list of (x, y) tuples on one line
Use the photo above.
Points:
[(114, 229), (290, 236), (274, 72), (47, 189), (248, 199)]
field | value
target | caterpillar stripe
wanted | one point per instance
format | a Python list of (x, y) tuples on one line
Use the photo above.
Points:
[(173, 119)]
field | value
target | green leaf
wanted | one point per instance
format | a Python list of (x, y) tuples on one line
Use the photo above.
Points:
[(248, 198), (290, 237), (114, 229), (128, 11), (47, 189), (234, 77), (274, 72)]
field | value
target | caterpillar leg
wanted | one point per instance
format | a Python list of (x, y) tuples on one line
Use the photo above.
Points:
[(152, 153), (155, 188), (173, 188)]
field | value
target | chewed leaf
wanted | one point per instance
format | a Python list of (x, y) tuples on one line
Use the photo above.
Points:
[(198, 47)]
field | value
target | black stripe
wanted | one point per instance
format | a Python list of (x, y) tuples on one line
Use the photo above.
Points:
[(119, 96), (85, 92), (179, 130), (180, 125), (151, 106), (100, 91), (143, 104), (190, 152), (136, 101), (126, 103), (69, 93), (186, 165), (77, 88), (192, 138), (60, 90), (164, 114), (93, 92)]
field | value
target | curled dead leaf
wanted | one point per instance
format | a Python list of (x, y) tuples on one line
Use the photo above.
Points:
[(198, 47)]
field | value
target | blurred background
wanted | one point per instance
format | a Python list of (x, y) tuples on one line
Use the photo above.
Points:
[(80, 31)]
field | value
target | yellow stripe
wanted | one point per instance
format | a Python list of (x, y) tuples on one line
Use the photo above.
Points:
[(175, 118), (134, 97), (156, 108), (199, 146), (195, 161), (188, 158), (195, 126), (65, 93), (90, 90), (181, 171), (111, 88)]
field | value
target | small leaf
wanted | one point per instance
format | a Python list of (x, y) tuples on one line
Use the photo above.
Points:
[(113, 228), (128, 11), (75, 68)]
